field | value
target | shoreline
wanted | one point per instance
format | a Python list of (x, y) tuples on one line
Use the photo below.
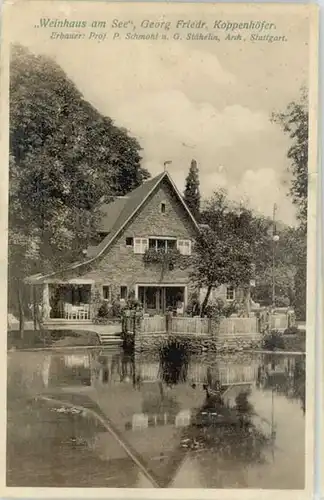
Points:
[(113, 346)]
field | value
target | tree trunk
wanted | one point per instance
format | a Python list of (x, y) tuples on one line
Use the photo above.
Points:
[(205, 302), (247, 300), (35, 307), (21, 310)]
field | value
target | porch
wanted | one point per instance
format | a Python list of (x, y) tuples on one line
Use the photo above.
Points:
[(67, 301), (157, 299)]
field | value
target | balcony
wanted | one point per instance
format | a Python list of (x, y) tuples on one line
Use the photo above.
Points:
[(161, 255)]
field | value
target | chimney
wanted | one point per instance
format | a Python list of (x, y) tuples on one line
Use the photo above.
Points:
[(168, 162)]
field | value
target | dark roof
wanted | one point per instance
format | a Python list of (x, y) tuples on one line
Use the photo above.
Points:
[(118, 212), (116, 215), (110, 213)]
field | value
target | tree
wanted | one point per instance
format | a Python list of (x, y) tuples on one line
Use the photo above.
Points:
[(65, 158), (220, 261), (294, 122), (192, 193), (228, 251), (299, 255), (284, 269), (236, 228)]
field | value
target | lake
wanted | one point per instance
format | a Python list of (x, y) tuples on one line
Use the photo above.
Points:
[(102, 418)]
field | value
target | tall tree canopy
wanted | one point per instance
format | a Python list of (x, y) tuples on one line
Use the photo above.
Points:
[(229, 249), (236, 246), (294, 121), (65, 158), (192, 192)]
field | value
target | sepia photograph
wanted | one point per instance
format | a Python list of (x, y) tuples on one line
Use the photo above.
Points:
[(161, 246)]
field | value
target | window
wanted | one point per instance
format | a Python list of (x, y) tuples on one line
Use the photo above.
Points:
[(140, 245), (184, 247), (129, 242), (230, 293), (162, 243), (123, 292), (162, 208), (106, 292)]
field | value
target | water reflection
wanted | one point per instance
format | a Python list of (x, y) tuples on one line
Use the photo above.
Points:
[(174, 363), (176, 413), (284, 375)]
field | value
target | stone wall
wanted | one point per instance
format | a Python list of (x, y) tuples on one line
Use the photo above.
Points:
[(198, 343), (217, 337)]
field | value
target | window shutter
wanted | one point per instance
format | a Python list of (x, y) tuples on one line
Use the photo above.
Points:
[(140, 245), (184, 247), (144, 244), (137, 245)]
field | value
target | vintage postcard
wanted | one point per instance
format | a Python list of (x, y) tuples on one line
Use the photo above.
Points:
[(161, 265)]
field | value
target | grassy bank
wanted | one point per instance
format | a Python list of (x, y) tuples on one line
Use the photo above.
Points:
[(50, 338)]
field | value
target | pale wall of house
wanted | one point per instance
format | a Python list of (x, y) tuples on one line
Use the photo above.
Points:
[(121, 267), (220, 293), (216, 293)]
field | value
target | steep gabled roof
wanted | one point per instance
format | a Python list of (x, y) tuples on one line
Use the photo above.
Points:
[(123, 212), (116, 216), (110, 213)]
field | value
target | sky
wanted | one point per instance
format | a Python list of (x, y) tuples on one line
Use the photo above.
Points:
[(204, 100)]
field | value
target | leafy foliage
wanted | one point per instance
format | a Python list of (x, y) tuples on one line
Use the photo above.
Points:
[(238, 230), (161, 256), (192, 193), (65, 159), (294, 121), (229, 247), (219, 309), (273, 340)]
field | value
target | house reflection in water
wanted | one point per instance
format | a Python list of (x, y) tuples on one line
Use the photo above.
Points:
[(102, 367), (199, 372), (68, 369)]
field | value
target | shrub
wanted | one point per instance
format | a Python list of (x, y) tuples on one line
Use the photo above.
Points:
[(116, 309), (220, 309), (161, 256), (273, 340), (292, 330), (194, 306), (133, 303), (104, 310), (282, 301)]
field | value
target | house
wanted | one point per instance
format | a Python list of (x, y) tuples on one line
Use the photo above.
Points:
[(152, 219), (137, 233)]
